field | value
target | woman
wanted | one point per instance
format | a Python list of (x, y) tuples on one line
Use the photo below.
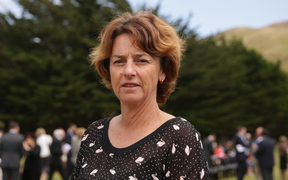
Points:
[(32, 166), (283, 152), (139, 58), (44, 140), (75, 144)]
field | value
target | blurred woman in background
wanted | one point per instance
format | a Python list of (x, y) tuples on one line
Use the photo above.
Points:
[(32, 166), (75, 144), (44, 141), (283, 151)]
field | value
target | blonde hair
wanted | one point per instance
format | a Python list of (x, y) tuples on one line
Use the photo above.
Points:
[(151, 34), (40, 131), (79, 132)]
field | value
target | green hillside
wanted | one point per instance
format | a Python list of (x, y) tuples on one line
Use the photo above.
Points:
[(271, 41)]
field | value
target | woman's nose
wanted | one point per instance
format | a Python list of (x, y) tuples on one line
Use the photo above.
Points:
[(129, 69)]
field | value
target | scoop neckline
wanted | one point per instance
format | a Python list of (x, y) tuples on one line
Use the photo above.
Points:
[(109, 147)]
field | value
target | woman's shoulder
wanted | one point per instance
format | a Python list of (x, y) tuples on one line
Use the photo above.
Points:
[(183, 129), (184, 126), (95, 130), (99, 123)]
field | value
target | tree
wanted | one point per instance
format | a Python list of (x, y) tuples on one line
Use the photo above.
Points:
[(46, 79), (223, 86)]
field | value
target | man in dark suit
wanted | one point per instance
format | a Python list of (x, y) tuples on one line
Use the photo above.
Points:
[(11, 151), (209, 152), (68, 138), (264, 154), (242, 151)]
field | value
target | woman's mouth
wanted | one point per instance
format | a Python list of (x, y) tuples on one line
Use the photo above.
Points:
[(130, 85)]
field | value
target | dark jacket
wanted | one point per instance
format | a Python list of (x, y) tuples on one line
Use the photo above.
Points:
[(264, 154), (208, 150), (11, 150), (242, 148), (32, 167), (56, 153)]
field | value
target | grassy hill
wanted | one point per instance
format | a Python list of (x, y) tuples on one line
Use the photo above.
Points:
[(271, 41)]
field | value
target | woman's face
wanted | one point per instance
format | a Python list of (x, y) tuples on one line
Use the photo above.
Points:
[(134, 73)]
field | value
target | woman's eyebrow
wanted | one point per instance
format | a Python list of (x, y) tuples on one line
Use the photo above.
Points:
[(140, 55), (117, 56)]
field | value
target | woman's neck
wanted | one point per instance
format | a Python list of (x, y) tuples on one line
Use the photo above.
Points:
[(137, 115), (135, 122)]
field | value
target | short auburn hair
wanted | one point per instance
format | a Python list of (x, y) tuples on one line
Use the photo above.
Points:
[(151, 34)]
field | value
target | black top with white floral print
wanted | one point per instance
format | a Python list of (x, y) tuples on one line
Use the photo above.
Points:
[(173, 151)]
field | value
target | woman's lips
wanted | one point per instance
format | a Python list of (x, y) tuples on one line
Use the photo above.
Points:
[(130, 85)]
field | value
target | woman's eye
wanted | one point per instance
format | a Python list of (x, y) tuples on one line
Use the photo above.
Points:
[(142, 61), (118, 61)]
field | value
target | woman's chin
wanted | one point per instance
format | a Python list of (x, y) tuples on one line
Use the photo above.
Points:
[(131, 100)]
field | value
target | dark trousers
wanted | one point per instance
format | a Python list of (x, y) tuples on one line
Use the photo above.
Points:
[(241, 170), (54, 169), (67, 171), (266, 173), (10, 173), (213, 176)]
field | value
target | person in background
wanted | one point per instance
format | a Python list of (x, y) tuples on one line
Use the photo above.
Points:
[(68, 138), (264, 154), (56, 152), (75, 144), (283, 153), (1, 134), (208, 145), (70, 133), (11, 151), (242, 151), (219, 151), (250, 158), (258, 138), (44, 141), (229, 149), (32, 166), (139, 59)]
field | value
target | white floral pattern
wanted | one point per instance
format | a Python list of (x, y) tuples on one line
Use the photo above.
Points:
[(93, 172), (202, 173), (100, 127), (173, 148), (160, 143), (154, 176), (99, 150), (139, 160), (187, 150), (85, 137), (112, 171), (91, 144), (175, 143), (176, 127)]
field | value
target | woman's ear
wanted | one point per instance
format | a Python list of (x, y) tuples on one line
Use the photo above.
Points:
[(162, 77)]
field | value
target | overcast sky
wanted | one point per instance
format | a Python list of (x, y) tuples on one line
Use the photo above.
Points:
[(212, 16)]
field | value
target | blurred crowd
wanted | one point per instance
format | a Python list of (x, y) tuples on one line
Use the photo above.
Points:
[(38, 155), (245, 154), (43, 154)]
